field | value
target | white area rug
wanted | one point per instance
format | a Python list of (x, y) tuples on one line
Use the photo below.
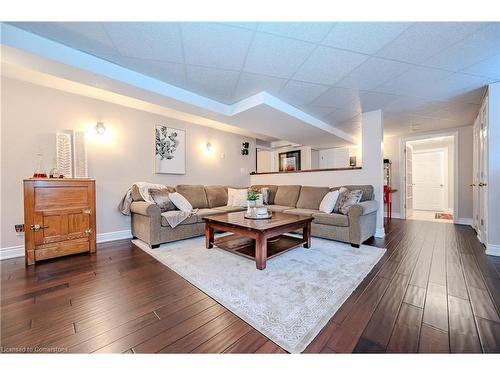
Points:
[(291, 300)]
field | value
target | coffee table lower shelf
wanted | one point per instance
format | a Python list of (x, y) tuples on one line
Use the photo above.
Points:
[(245, 246)]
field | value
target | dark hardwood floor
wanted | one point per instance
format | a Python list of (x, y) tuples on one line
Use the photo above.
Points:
[(434, 291)]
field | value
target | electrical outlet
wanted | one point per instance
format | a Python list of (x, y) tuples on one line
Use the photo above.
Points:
[(19, 228)]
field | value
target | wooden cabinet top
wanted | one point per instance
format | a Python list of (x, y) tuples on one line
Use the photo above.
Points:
[(59, 179)]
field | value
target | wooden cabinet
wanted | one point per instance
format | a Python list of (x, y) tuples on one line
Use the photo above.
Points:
[(59, 217)]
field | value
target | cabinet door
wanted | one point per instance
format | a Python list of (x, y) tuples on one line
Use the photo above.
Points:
[(60, 225)]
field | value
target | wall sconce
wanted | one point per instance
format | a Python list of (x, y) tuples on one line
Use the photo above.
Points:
[(209, 147), (244, 150), (100, 128)]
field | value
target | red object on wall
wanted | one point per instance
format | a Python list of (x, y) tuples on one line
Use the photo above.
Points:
[(387, 201)]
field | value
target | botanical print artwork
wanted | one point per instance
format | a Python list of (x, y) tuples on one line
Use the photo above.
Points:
[(170, 150)]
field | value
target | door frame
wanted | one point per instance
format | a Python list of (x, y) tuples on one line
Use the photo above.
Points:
[(445, 175), (402, 168)]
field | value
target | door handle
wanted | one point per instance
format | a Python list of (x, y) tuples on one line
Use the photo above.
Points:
[(481, 184), (37, 227)]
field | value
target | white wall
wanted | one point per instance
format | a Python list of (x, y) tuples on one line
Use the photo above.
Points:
[(371, 173), (265, 161), (31, 115), (334, 157), (392, 151)]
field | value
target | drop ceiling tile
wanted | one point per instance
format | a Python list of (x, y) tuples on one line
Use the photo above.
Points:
[(365, 37), (276, 56), (425, 39), (407, 104), (455, 85), (371, 101), (373, 73), (243, 25), (472, 96), (250, 84), (486, 68), (479, 46), (214, 83), (307, 31), (336, 97), (89, 37), (171, 73), (343, 115), (299, 93), (418, 81), (147, 40), (215, 45), (328, 65)]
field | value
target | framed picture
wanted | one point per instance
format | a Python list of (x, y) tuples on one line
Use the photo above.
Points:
[(170, 150), (289, 161)]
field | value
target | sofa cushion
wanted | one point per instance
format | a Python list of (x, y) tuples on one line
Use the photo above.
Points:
[(278, 208), (366, 189), (301, 211), (272, 191), (193, 219), (216, 195), (311, 196), (195, 194), (331, 219), (161, 198), (204, 212), (287, 195), (229, 209)]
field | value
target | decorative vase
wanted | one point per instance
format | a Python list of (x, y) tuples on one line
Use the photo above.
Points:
[(250, 207)]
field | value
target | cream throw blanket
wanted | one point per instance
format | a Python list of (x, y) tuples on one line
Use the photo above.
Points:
[(173, 218)]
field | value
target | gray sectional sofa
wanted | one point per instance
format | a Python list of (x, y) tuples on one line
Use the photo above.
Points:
[(354, 228)]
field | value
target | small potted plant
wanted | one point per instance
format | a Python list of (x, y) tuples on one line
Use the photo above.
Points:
[(252, 198)]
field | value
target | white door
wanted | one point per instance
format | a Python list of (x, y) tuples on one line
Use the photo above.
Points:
[(483, 176), (409, 180), (429, 180), (476, 173)]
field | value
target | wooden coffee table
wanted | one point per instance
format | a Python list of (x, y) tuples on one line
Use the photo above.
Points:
[(259, 239)]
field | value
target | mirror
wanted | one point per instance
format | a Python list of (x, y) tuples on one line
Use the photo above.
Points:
[(306, 158)]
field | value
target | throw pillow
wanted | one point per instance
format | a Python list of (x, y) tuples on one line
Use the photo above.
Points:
[(237, 197), (161, 198), (351, 198), (328, 202), (180, 202), (265, 195), (342, 192)]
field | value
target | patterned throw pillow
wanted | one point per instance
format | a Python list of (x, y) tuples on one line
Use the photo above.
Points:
[(265, 195), (161, 198), (342, 192), (351, 198)]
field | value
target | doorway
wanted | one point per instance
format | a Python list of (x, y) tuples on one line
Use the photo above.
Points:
[(429, 188)]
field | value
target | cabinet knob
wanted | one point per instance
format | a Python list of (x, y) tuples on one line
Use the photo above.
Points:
[(87, 211)]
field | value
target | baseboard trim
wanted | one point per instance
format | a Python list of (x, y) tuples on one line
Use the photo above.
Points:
[(463, 221), (380, 233), (113, 236), (18, 251), (395, 215), (493, 250)]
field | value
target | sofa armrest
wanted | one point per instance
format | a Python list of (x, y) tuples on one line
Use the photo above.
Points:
[(145, 208), (363, 208)]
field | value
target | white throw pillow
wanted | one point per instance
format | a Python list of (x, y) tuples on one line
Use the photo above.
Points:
[(237, 197), (180, 202), (328, 202)]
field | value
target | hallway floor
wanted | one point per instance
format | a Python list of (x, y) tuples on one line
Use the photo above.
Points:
[(428, 216)]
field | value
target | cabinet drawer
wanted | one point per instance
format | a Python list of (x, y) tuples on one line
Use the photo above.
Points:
[(65, 248)]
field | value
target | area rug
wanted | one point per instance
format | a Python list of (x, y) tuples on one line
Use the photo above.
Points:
[(443, 216), (291, 300)]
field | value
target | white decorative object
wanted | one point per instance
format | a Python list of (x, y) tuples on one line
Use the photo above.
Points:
[(170, 150), (63, 154), (237, 197), (79, 155), (180, 202), (328, 202), (291, 300)]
